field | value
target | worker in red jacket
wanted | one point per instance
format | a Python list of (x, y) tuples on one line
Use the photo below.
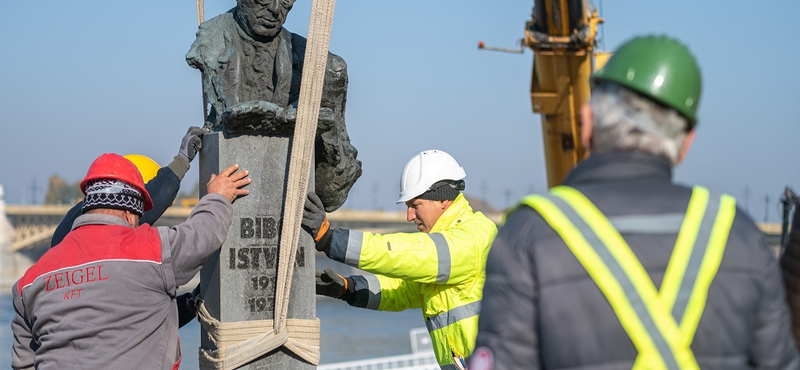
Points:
[(104, 298)]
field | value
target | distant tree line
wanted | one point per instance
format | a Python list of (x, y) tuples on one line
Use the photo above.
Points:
[(60, 192)]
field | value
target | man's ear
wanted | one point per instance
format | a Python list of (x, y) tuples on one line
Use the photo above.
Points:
[(587, 126), (131, 219), (687, 143), (443, 204)]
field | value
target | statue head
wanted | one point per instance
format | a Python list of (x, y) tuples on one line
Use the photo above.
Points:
[(262, 19)]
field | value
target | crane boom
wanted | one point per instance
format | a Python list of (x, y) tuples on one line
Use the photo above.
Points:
[(562, 35)]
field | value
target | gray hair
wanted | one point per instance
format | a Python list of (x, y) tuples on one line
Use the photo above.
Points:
[(627, 121)]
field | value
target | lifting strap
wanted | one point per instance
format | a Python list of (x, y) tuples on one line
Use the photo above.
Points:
[(233, 355), (661, 324), (200, 11)]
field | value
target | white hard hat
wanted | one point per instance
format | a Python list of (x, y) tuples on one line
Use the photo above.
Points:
[(426, 169)]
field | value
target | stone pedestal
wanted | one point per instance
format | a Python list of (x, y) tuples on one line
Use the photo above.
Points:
[(238, 282)]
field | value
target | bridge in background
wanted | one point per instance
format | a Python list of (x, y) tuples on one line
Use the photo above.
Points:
[(34, 227)]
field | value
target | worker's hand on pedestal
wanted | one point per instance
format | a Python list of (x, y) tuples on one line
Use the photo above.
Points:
[(315, 221), (229, 183), (331, 284), (191, 143)]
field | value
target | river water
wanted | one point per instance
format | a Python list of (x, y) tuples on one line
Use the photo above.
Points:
[(346, 333)]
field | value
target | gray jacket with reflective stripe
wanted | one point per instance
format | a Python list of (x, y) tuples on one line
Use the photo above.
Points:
[(542, 310), (105, 297), (790, 265)]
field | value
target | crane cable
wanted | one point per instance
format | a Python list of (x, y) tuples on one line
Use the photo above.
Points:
[(298, 335)]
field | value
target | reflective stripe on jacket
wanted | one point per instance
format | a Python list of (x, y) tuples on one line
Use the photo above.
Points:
[(104, 298), (662, 323), (542, 310), (441, 272)]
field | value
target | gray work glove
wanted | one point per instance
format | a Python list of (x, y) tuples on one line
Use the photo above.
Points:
[(331, 284), (315, 221), (191, 143)]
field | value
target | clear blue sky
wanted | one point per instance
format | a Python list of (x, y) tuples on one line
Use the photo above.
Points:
[(80, 78)]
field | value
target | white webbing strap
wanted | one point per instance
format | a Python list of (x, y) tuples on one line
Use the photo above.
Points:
[(302, 153), (240, 342), (200, 11), (233, 353)]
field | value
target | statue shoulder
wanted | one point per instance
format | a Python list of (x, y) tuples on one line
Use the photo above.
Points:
[(211, 37), (335, 63), (216, 27)]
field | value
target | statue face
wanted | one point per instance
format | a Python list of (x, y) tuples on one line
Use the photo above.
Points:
[(262, 19)]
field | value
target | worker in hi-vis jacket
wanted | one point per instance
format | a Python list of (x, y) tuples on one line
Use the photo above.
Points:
[(621, 268), (440, 269)]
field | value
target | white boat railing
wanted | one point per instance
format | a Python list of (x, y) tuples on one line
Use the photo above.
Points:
[(414, 361), (420, 358)]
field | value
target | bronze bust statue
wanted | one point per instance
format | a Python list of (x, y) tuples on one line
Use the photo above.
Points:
[(251, 69)]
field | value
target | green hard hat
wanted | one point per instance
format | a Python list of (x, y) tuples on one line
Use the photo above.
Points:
[(660, 68)]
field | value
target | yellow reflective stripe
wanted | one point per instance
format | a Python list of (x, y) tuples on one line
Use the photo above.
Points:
[(453, 316), (709, 267), (695, 264), (676, 269), (692, 267), (443, 257), (635, 272), (601, 274)]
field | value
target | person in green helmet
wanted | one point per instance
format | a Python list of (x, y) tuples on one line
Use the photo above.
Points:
[(790, 267), (622, 268)]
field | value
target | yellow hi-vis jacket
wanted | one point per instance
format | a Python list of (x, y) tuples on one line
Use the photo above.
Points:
[(441, 272), (661, 323)]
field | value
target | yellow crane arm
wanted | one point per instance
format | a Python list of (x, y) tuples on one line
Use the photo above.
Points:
[(562, 35)]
